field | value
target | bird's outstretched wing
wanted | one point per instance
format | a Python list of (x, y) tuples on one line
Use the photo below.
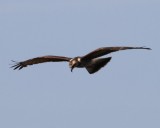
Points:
[(106, 50), (37, 60)]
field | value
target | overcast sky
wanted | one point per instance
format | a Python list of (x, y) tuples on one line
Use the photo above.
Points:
[(124, 94)]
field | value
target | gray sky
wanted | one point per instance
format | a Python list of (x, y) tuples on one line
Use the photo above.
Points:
[(124, 94)]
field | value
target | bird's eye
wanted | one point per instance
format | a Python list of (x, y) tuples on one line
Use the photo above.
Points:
[(73, 62)]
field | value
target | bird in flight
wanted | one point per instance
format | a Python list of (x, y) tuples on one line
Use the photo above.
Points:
[(90, 61)]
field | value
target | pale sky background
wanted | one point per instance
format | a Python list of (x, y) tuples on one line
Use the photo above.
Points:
[(124, 94)]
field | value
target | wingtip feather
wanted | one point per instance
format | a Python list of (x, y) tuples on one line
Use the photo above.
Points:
[(144, 47), (17, 65)]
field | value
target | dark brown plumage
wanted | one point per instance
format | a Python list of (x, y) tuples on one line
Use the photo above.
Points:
[(38, 60), (90, 61)]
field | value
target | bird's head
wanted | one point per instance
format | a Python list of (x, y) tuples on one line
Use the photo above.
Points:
[(75, 62)]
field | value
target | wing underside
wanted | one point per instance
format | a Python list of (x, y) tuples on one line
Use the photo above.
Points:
[(38, 60), (106, 50)]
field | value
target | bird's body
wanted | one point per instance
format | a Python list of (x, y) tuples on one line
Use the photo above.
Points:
[(91, 61)]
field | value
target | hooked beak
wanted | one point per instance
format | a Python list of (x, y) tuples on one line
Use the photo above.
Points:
[(73, 67)]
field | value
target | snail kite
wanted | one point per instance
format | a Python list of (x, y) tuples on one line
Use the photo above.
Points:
[(90, 61)]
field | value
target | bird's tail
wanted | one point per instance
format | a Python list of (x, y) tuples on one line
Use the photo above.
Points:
[(97, 64)]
